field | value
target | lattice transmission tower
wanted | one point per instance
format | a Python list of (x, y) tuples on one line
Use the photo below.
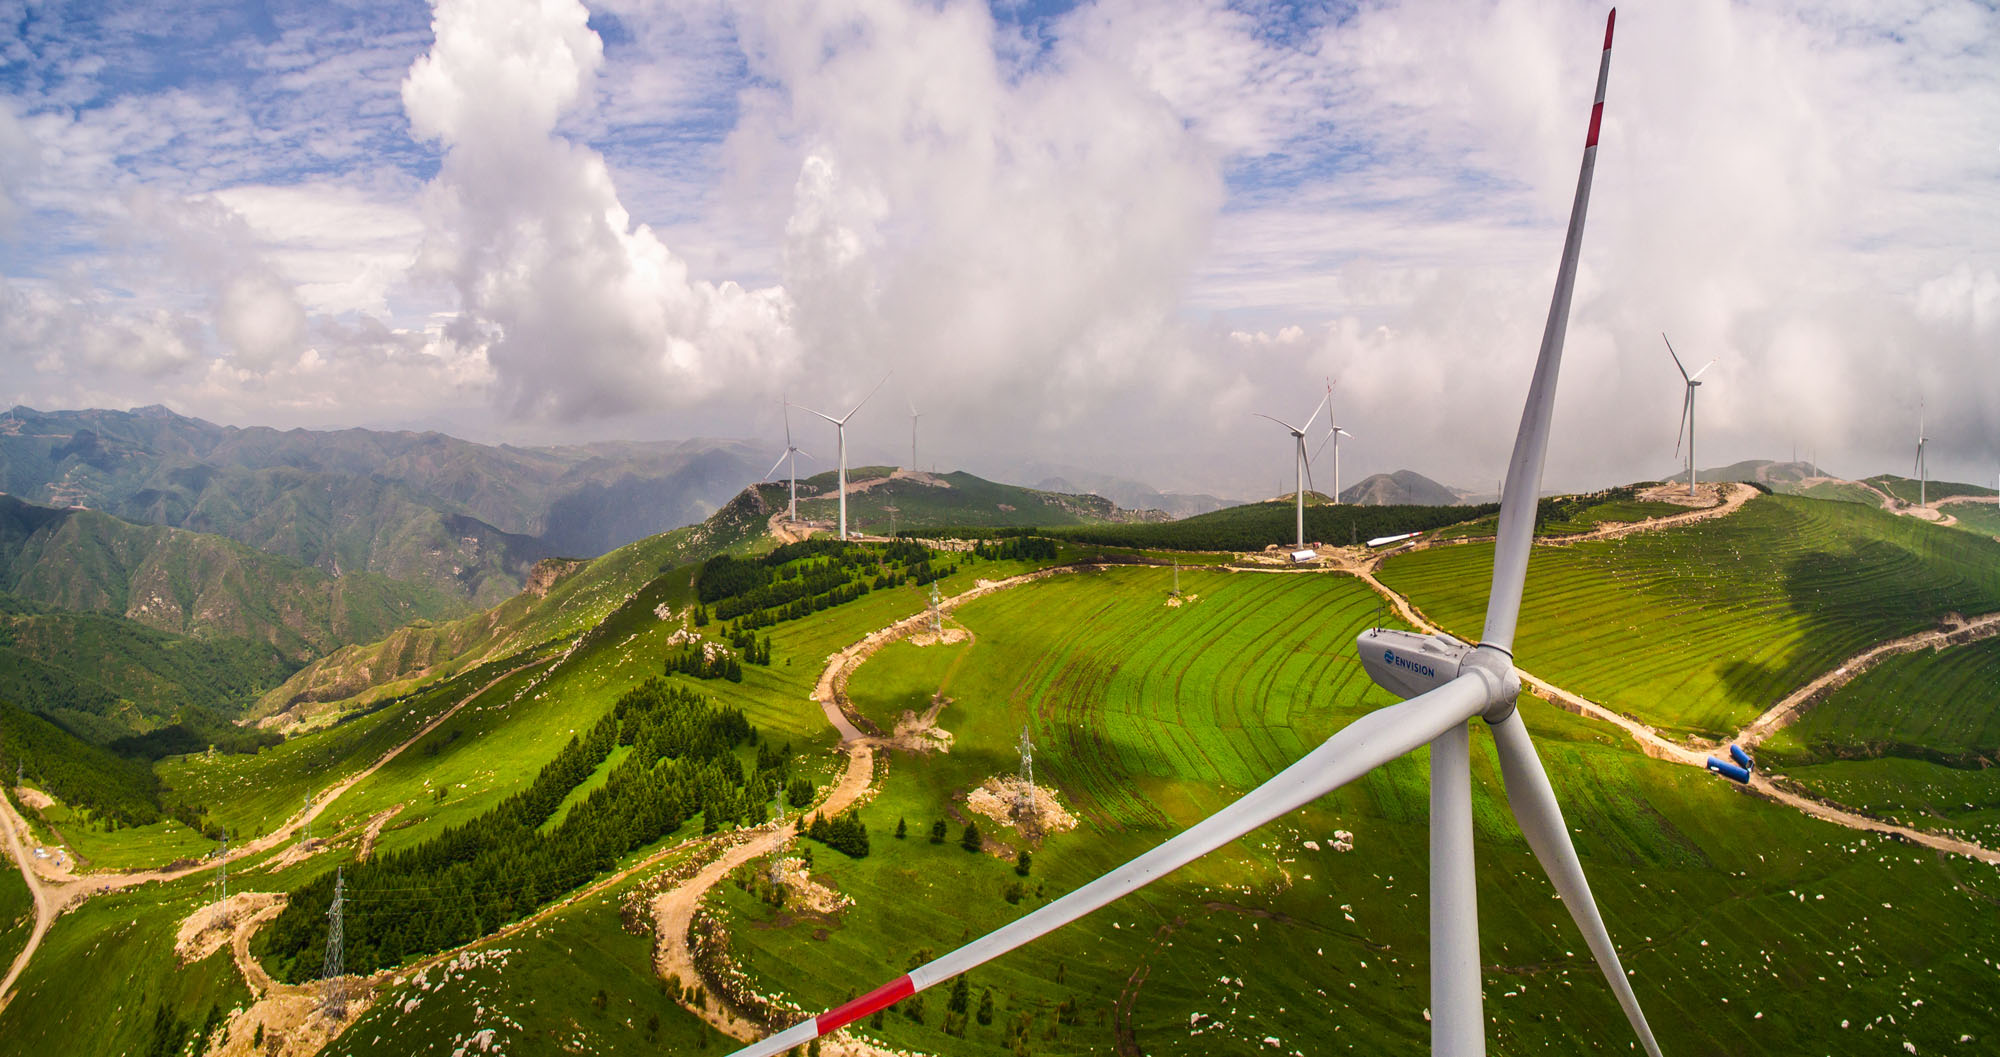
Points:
[(333, 998), (1024, 800)]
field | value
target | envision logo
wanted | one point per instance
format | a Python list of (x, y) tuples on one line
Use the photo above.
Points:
[(1425, 670)]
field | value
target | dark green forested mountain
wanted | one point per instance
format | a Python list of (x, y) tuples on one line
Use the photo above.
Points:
[(201, 585), (470, 518)]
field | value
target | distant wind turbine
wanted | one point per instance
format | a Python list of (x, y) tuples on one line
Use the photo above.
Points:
[(1444, 685), (840, 429), (1333, 435), (792, 452), (1299, 468), (914, 416), (1921, 469), (1687, 408)]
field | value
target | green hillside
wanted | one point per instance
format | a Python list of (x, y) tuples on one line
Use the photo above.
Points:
[(564, 599), (1253, 526), (1700, 628), (1906, 488), (107, 677), (883, 505), (81, 775), (193, 584)]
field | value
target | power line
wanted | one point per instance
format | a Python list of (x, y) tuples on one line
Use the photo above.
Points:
[(333, 998)]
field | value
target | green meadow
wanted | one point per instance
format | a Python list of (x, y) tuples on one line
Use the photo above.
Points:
[(1698, 629), (1745, 923)]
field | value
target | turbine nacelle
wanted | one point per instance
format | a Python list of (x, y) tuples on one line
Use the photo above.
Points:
[(1406, 663)]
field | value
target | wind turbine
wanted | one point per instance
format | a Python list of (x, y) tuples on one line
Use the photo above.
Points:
[(1299, 468), (840, 428), (1920, 469), (914, 416), (792, 451), (1446, 684), (1687, 407), (1333, 435)]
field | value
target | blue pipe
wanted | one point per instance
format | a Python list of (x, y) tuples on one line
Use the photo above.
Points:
[(1742, 758), (1729, 770)]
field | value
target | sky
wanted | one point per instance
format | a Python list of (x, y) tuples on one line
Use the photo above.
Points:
[(1103, 235)]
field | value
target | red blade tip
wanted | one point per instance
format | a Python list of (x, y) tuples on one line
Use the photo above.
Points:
[(1609, 21)]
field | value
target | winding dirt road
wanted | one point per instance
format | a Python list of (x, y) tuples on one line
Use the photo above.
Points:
[(57, 891)]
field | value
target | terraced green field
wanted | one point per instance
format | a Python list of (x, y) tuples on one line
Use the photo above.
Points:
[(1749, 928), (1698, 629), (1912, 739), (1841, 492)]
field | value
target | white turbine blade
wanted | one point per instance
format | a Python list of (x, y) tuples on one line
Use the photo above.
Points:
[(1358, 748), (1704, 369), (1307, 461), (787, 405), (1677, 358), (1524, 468), (1533, 801), (775, 465), (1321, 406), (1322, 446), (1279, 421), (1687, 403), (821, 414), (1343, 432), (807, 454), (865, 399)]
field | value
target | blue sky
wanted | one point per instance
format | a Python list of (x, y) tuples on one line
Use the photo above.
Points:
[(1098, 234)]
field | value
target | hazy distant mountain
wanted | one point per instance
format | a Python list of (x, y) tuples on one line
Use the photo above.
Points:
[(470, 518), (1758, 471), (1402, 488), (1130, 494)]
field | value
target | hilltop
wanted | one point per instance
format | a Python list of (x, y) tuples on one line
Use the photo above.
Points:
[(1402, 488), (885, 500)]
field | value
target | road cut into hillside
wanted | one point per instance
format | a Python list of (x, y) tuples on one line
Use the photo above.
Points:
[(57, 890)]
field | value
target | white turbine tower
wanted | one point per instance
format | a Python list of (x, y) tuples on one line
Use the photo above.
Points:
[(1333, 435), (1922, 470), (1299, 467), (914, 416), (840, 429), (1686, 428), (1446, 684), (792, 452)]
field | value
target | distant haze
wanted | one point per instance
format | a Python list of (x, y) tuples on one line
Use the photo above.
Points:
[(1096, 237)]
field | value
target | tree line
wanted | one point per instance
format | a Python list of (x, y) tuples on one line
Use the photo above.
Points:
[(519, 856)]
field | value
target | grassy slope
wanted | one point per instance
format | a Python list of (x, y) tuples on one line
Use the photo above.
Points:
[(1977, 518), (1701, 628), (1906, 488), (1839, 492), (1912, 739), (17, 912), (1702, 885), (578, 601)]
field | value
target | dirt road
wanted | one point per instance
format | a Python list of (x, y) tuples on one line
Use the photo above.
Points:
[(18, 838)]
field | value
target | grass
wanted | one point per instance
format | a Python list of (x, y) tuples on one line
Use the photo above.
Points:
[(17, 913), (104, 971), (1841, 492), (539, 991), (1749, 927), (1910, 739), (965, 500), (100, 847), (1907, 488), (1700, 628), (1569, 520), (1978, 518)]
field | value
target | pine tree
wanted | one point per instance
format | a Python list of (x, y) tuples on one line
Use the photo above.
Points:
[(969, 840), (1021, 862), (901, 830), (961, 995), (937, 832)]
